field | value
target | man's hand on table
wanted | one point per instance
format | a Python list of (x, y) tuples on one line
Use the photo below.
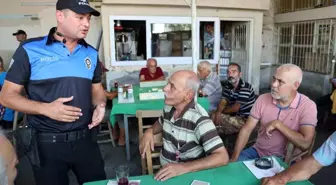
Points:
[(170, 170), (272, 181), (147, 140)]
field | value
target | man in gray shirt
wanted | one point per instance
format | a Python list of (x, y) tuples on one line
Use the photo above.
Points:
[(210, 84)]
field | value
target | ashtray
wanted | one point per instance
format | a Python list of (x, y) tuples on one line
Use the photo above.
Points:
[(264, 163)]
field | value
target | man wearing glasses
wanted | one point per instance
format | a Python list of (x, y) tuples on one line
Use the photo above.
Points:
[(152, 72)]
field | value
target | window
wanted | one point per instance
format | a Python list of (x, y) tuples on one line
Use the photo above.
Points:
[(171, 40), (133, 39), (130, 40), (307, 44), (207, 40), (285, 6)]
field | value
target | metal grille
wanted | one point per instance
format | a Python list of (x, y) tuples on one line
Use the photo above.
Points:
[(240, 45), (306, 44), (283, 6)]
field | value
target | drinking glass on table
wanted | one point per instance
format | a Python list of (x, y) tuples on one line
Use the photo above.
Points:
[(122, 173)]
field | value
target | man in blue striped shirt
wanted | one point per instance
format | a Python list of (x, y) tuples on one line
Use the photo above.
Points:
[(210, 84), (303, 170), (237, 100)]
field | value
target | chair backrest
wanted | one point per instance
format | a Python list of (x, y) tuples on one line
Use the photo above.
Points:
[(140, 114), (292, 156), (148, 162)]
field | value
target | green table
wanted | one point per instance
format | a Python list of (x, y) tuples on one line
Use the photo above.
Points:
[(129, 109), (232, 174)]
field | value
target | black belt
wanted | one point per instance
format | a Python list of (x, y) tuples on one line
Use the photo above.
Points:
[(64, 137)]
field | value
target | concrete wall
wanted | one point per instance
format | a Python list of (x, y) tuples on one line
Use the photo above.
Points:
[(305, 15), (236, 4), (223, 14), (268, 57), (34, 28), (314, 85)]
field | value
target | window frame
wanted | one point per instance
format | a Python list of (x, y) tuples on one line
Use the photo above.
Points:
[(163, 20)]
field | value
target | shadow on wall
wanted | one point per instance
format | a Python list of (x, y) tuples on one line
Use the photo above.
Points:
[(125, 77)]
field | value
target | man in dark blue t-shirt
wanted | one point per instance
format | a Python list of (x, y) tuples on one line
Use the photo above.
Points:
[(62, 77)]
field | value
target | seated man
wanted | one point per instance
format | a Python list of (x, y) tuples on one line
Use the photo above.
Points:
[(210, 84), (285, 116), (8, 161), (303, 170), (152, 72), (8, 117), (190, 139), (119, 118), (237, 100)]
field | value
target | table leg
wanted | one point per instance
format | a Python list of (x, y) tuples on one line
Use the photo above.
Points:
[(128, 155)]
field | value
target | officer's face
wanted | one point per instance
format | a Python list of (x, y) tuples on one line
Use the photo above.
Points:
[(76, 25)]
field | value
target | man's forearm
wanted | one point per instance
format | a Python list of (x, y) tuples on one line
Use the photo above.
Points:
[(22, 104), (243, 137), (221, 106), (231, 109), (160, 78), (98, 97), (156, 128), (214, 160), (294, 137), (300, 171)]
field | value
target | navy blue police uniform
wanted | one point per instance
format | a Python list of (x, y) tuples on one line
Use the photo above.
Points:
[(48, 71)]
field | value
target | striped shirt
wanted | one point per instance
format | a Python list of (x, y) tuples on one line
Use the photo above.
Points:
[(212, 87), (244, 95), (191, 136), (326, 154)]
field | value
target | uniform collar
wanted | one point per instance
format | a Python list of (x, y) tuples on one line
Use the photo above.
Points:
[(51, 39)]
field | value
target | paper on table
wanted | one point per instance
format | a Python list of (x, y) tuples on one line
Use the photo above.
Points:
[(259, 173), (131, 182)]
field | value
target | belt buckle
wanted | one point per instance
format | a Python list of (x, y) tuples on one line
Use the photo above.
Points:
[(72, 136)]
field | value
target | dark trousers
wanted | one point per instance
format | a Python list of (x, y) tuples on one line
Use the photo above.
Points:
[(83, 157)]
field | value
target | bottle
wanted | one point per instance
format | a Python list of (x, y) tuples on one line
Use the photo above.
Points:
[(120, 92), (115, 84), (130, 92)]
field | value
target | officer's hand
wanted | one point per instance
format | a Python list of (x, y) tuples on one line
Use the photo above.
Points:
[(56, 110), (147, 140), (98, 115)]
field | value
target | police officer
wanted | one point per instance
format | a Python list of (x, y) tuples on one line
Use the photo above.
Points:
[(66, 100)]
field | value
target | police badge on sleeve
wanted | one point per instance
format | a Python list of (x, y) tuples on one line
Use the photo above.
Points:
[(88, 62)]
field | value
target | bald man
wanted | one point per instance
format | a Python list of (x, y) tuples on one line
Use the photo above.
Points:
[(210, 84), (8, 161), (152, 72), (190, 139), (284, 115)]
